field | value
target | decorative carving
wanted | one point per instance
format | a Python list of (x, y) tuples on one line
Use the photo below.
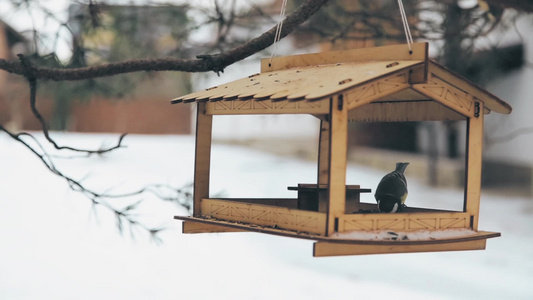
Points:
[(452, 223), (253, 106), (447, 94), (377, 89), (403, 222), (265, 215)]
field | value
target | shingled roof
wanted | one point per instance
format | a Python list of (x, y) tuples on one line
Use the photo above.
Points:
[(391, 73)]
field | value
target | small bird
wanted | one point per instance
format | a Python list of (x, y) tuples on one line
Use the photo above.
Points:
[(392, 190)]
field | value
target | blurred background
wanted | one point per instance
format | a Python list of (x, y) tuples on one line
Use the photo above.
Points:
[(488, 42)]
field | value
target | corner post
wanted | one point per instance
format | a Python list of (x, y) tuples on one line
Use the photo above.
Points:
[(338, 149), (474, 158), (202, 157), (323, 164)]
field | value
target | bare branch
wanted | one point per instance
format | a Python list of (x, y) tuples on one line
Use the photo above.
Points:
[(33, 91), (180, 196), (216, 63)]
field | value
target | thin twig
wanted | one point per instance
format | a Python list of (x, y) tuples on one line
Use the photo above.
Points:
[(181, 196)]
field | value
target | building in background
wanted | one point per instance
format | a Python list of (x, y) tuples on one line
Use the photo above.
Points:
[(136, 102), (139, 103), (132, 103), (14, 91)]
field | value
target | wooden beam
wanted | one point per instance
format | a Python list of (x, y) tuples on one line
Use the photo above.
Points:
[(202, 159), (405, 95), (398, 111), (323, 164), (404, 221), (447, 94), (474, 158), (265, 215), (480, 235), (251, 228), (323, 153), (254, 107), (394, 52), (338, 148), (197, 227), (281, 202), (491, 101), (377, 89), (321, 249)]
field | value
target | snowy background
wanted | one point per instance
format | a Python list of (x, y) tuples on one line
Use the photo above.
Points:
[(52, 246)]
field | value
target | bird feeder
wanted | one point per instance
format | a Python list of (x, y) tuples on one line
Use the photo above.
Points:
[(383, 84)]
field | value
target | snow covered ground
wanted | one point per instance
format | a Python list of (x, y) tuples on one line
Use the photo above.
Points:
[(53, 247)]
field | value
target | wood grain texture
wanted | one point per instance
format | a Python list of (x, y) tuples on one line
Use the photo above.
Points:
[(306, 83), (196, 227), (480, 235), (386, 53), (404, 221), (323, 164), (250, 107), (265, 215), (280, 202), (396, 111), (377, 89), (404, 95), (447, 94), (322, 249), (323, 153), (491, 101), (202, 158), (338, 148), (363, 75), (474, 158)]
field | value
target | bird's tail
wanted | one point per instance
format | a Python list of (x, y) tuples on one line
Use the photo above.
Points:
[(401, 166)]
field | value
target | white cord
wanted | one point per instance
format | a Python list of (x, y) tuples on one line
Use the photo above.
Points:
[(278, 29), (406, 29)]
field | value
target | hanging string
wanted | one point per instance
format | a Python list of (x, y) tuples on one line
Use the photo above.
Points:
[(277, 37), (406, 29)]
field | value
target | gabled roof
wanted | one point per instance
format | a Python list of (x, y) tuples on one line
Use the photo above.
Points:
[(305, 83), (490, 100), (367, 75)]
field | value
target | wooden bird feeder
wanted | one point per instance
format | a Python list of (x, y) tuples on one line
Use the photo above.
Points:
[(383, 84)]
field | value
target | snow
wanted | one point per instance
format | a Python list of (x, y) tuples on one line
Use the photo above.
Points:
[(54, 247)]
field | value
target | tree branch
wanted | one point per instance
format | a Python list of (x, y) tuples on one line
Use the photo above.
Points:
[(180, 196), (216, 62), (30, 76)]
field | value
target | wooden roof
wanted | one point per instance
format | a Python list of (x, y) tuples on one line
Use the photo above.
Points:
[(391, 72), (305, 83)]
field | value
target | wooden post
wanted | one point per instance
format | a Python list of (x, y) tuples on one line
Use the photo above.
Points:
[(323, 164), (338, 148), (202, 160), (474, 153)]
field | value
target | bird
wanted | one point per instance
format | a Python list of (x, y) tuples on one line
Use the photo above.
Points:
[(392, 190)]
